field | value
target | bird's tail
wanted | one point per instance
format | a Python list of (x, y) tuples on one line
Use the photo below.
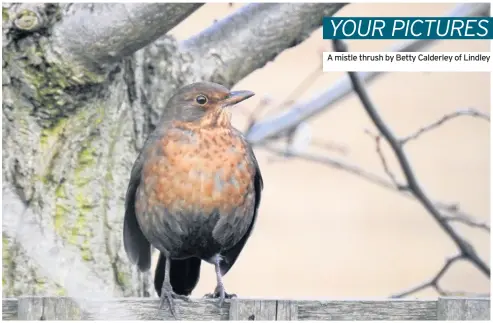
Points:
[(184, 274)]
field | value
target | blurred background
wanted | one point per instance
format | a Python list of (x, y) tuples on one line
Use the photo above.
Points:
[(325, 233)]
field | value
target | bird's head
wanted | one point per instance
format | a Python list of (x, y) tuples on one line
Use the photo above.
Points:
[(204, 104)]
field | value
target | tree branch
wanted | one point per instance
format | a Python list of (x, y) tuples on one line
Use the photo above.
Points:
[(97, 34), (442, 120), (467, 251), (467, 220), (455, 213), (383, 160), (434, 282), (246, 40), (287, 120), (333, 162)]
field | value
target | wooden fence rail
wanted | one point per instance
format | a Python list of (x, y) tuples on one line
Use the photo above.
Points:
[(65, 308)]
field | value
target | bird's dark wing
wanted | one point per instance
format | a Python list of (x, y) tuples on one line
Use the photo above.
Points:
[(229, 256), (136, 245), (184, 274)]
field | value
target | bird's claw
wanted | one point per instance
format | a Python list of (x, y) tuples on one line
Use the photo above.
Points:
[(168, 296), (221, 294)]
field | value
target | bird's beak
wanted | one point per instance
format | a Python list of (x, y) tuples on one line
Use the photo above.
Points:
[(236, 97)]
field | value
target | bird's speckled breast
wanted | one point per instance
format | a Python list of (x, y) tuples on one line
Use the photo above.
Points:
[(201, 169)]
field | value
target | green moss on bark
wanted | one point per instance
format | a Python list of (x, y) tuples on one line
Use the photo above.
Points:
[(52, 83), (78, 233), (71, 196), (5, 258), (5, 15)]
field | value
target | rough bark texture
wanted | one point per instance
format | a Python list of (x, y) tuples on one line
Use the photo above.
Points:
[(75, 117)]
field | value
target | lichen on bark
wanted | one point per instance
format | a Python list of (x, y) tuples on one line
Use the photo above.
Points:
[(62, 124)]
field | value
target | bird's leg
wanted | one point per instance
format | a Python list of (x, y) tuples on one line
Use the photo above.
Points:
[(219, 291), (167, 293)]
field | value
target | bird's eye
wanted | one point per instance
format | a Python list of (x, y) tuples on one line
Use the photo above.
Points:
[(201, 99)]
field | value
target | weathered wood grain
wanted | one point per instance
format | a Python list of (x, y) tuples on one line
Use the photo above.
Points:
[(47, 308), (252, 310), (64, 308), (287, 310), (61, 308), (461, 309), (148, 309), (367, 310), (9, 309)]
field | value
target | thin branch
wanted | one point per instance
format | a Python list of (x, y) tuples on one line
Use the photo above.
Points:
[(383, 160), (443, 119), (274, 126), (433, 282), (459, 216), (252, 36), (466, 249), (331, 145), (455, 214), (467, 221), (333, 162), (95, 34), (301, 88), (264, 103)]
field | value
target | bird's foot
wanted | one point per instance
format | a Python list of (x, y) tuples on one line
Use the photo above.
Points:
[(220, 293), (168, 296)]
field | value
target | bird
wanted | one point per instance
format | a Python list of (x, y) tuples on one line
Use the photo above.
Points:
[(184, 274), (193, 193)]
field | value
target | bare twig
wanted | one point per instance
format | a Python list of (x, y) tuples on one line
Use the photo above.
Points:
[(264, 103), (463, 112), (385, 165), (467, 220), (290, 99), (333, 162), (275, 126), (433, 283), (467, 251), (331, 145), (301, 88), (455, 213)]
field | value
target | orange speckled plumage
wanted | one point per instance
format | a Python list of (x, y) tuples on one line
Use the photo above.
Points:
[(189, 162)]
